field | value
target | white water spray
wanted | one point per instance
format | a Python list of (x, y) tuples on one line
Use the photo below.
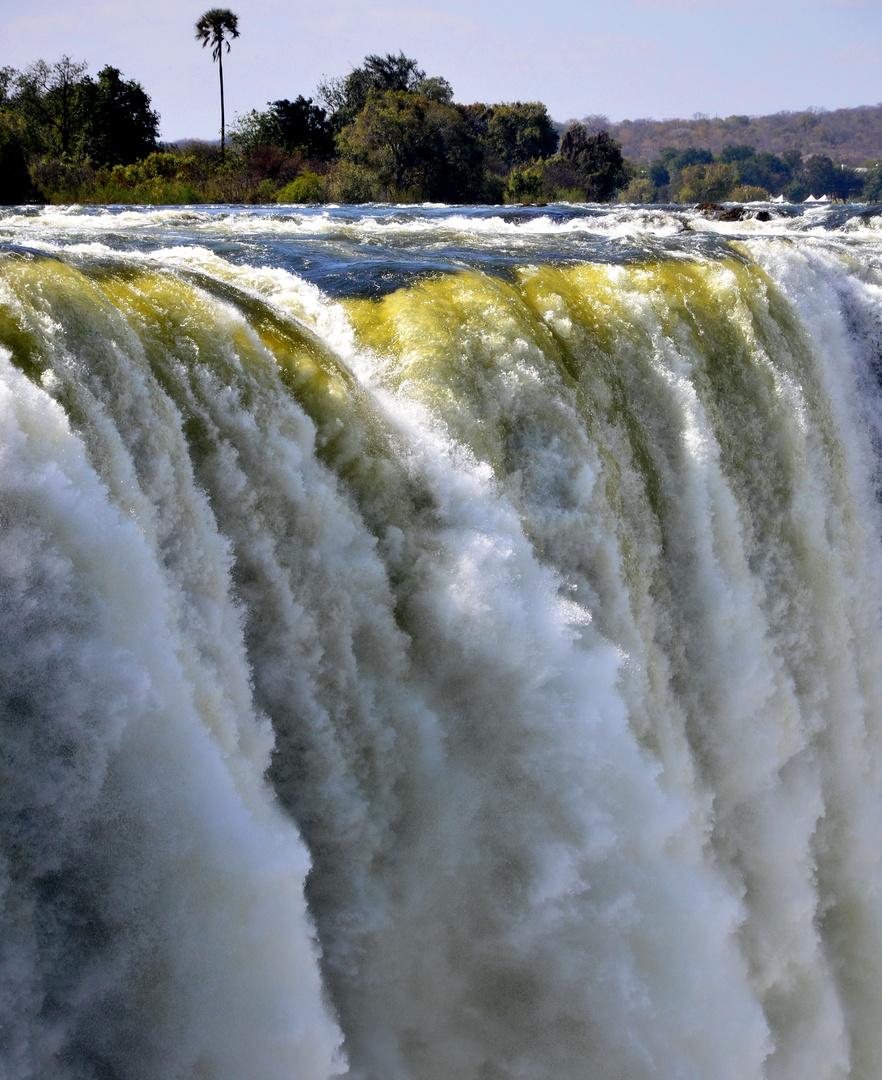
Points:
[(542, 611)]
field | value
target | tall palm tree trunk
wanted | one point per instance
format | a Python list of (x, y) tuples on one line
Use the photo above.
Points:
[(220, 68), (210, 30)]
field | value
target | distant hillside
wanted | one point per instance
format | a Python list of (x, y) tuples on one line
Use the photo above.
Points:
[(848, 136)]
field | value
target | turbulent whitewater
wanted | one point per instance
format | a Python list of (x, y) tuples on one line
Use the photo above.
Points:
[(440, 644)]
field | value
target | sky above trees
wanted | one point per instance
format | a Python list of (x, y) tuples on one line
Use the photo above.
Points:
[(628, 59)]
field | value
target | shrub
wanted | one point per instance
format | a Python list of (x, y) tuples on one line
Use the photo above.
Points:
[(748, 193), (309, 187), (524, 184), (640, 190)]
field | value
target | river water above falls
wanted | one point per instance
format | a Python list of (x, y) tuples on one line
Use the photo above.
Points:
[(440, 644)]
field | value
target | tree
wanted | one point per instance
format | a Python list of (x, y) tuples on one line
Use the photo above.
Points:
[(659, 173), (519, 132), (347, 95), (413, 148), (291, 125), (47, 98), (8, 78), (872, 190), (210, 30), (15, 181), (675, 160), (64, 113), (740, 152), (706, 183), (766, 171), (591, 163), (119, 127), (822, 177), (436, 88)]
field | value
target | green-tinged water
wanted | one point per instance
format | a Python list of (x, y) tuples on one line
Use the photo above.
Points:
[(440, 645)]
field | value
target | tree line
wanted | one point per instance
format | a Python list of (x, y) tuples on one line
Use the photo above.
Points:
[(741, 173), (386, 131), (848, 136), (53, 116)]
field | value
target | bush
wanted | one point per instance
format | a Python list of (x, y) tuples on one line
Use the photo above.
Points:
[(873, 185), (156, 166), (748, 193), (350, 183), (705, 183), (640, 190), (63, 181), (524, 184), (309, 187)]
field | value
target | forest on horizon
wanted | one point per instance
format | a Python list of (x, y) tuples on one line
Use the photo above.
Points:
[(387, 132), (848, 136)]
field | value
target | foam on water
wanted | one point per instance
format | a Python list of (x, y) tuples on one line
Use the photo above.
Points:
[(428, 221), (154, 921), (484, 678)]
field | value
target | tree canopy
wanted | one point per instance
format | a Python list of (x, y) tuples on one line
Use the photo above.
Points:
[(118, 125), (520, 132), (387, 131), (47, 97), (414, 145), (345, 96), (592, 164), (211, 28), (62, 111), (293, 126)]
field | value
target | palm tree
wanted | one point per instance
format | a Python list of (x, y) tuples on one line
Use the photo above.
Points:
[(210, 30)]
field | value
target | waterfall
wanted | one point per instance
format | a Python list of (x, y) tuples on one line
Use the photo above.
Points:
[(471, 676)]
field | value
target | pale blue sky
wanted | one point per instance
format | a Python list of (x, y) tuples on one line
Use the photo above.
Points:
[(623, 58)]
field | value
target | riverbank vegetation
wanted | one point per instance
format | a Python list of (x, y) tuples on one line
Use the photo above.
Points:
[(389, 132), (740, 173)]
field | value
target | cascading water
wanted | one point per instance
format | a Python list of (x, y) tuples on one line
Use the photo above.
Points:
[(440, 645)]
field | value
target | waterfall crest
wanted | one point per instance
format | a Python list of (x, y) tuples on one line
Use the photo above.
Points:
[(479, 677)]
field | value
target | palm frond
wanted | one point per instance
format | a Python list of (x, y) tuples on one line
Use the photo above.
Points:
[(213, 25)]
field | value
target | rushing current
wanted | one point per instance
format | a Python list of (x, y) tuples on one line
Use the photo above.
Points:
[(440, 644)]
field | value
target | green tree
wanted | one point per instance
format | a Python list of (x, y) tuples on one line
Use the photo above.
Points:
[(641, 189), (345, 97), (767, 171), (732, 153), (590, 164), (706, 183), (8, 76), (293, 126), (413, 148), (518, 132), (210, 30), (47, 98), (15, 181), (659, 173), (872, 187), (436, 89), (675, 160), (65, 113), (821, 177), (524, 183), (119, 126), (664, 171)]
